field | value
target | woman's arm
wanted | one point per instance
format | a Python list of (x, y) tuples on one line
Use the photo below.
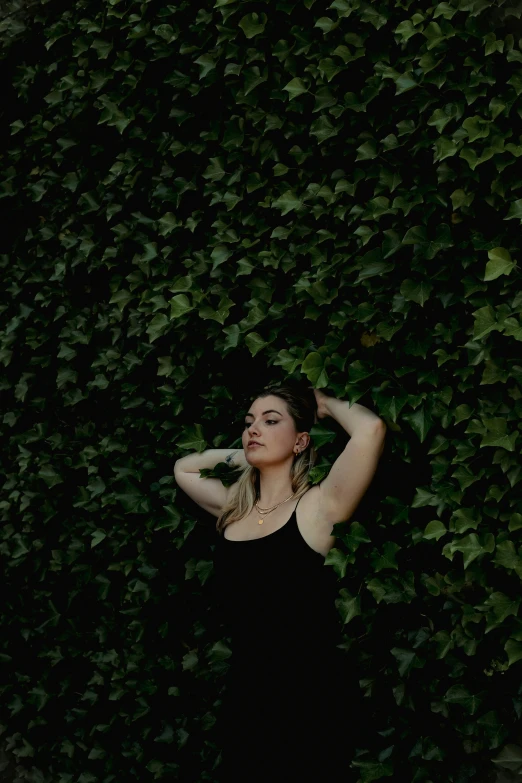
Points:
[(352, 418), (209, 458)]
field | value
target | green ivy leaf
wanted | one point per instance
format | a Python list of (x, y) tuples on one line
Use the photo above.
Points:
[(373, 770), (253, 78), (179, 306), (463, 519), (499, 263), (460, 695), (287, 202), (255, 343), (295, 87), (497, 434), (513, 328), (387, 559), (444, 643), (192, 438), (168, 223), (420, 421), (97, 537), (416, 292), (393, 589), (204, 569), (349, 606), (515, 522), (221, 314), (207, 63), (215, 170), (219, 255), (219, 652), (514, 651), (434, 529), (470, 547), (407, 660), (485, 322), (157, 326), (253, 24), (338, 559), (506, 555), (356, 535), (515, 210), (510, 757), (326, 24), (391, 407), (359, 370), (313, 367), (502, 605), (288, 361), (424, 498), (323, 129)]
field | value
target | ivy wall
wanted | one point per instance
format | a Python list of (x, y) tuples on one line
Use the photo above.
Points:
[(202, 198)]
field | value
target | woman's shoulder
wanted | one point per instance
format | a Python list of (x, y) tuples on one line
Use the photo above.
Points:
[(313, 526)]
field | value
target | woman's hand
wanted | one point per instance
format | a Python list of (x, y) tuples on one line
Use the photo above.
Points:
[(321, 399)]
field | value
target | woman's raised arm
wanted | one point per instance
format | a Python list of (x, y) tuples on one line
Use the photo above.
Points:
[(209, 458)]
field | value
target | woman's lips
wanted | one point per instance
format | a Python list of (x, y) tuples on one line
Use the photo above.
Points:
[(254, 445)]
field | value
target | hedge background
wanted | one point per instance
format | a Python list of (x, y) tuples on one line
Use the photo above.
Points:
[(202, 198)]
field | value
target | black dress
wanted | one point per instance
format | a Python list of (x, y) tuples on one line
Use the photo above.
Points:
[(291, 706)]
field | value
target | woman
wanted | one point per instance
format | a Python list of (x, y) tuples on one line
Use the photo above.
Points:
[(291, 710)]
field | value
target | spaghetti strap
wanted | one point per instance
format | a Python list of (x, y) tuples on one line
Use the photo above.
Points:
[(302, 496)]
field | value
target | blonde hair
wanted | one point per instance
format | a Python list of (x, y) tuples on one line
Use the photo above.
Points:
[(302, 407)]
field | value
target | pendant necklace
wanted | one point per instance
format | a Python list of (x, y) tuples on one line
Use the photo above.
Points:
[(264, 512)]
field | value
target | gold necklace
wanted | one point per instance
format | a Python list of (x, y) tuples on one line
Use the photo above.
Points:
[(264, 512)]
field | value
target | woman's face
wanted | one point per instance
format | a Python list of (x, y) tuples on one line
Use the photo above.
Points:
[(269, 423)]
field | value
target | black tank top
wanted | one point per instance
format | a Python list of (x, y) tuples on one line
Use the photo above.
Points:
[(292, 700), (277, 596)]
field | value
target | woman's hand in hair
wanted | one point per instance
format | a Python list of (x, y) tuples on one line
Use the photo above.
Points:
[(321, 399)]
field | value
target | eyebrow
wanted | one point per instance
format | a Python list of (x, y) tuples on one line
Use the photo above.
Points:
[(264, 412)]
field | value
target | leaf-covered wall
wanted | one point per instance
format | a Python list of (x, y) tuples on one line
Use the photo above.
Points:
[(200, 198)]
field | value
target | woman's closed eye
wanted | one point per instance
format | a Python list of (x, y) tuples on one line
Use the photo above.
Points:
[(268, 421)]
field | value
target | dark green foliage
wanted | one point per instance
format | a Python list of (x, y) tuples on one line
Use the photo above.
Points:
[(201, 198)]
